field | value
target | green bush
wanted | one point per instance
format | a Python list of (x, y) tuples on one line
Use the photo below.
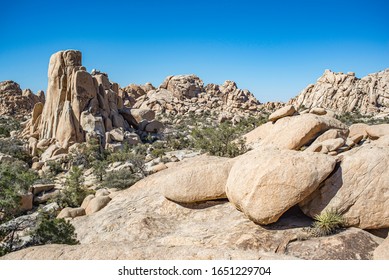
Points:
[(15, 148), (8, 124), (51, 230), (327, 223), (219, 141), (74, 192), (120, 179)]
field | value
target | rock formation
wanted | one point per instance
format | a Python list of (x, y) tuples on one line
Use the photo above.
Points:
[(184, 94), (81, 106), (346, 93), (16, 102)]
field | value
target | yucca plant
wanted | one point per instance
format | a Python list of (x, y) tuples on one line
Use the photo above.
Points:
[(327, 222)]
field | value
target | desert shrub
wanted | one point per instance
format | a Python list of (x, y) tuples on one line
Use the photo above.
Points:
[(15, 178), (219, 141), (327, 223), (8, 124), (87, 153), (356, 117), (55, 167), (74, 192), (120, 179), (15, 148), (51, 230)]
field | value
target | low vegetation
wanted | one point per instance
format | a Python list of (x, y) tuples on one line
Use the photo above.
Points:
[(327, 223), (51, 230), (356, 117)]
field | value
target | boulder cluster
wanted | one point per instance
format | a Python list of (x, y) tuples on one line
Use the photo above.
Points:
[(346, 93), (313, 161)]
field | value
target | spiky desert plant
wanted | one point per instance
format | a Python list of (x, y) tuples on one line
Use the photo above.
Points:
[(327, 222)]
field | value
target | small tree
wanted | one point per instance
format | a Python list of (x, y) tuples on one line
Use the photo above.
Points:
[(74, 192), (51, 230)]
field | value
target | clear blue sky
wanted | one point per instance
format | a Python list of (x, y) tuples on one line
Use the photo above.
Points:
[(272, 48)]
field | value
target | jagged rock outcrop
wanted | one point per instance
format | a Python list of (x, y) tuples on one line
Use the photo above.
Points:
[(346, 93), (81, 106), (16, 102)]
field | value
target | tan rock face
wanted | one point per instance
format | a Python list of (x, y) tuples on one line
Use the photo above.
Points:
[(294, 132), (377, 131), (265, 183), (198, 179), (346, 93), (358, 189), (382, 251)]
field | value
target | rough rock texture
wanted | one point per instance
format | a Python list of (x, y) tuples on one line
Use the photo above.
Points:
[(347, 93), (16, 102), (356, 245), (198, 179), (293, 132), (265, 183), (358, 189), (382, 251), (139, 223)]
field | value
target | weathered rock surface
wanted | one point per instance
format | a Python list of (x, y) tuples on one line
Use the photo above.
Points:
[(377, 131), (198, 179), (293, 132), (96, 204), (139, 223), (347, 93), (282, 112), (356, 244), (69, 212), (265, 183), (382, 251), (358, 189)]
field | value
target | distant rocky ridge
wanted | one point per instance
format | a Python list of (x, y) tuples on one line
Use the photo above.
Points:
[(16, 102), (346, 93)]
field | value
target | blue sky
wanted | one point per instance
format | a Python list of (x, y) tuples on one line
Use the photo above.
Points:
[(272, 48)]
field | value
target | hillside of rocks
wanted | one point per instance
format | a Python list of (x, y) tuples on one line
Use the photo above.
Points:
[(342, 93)]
